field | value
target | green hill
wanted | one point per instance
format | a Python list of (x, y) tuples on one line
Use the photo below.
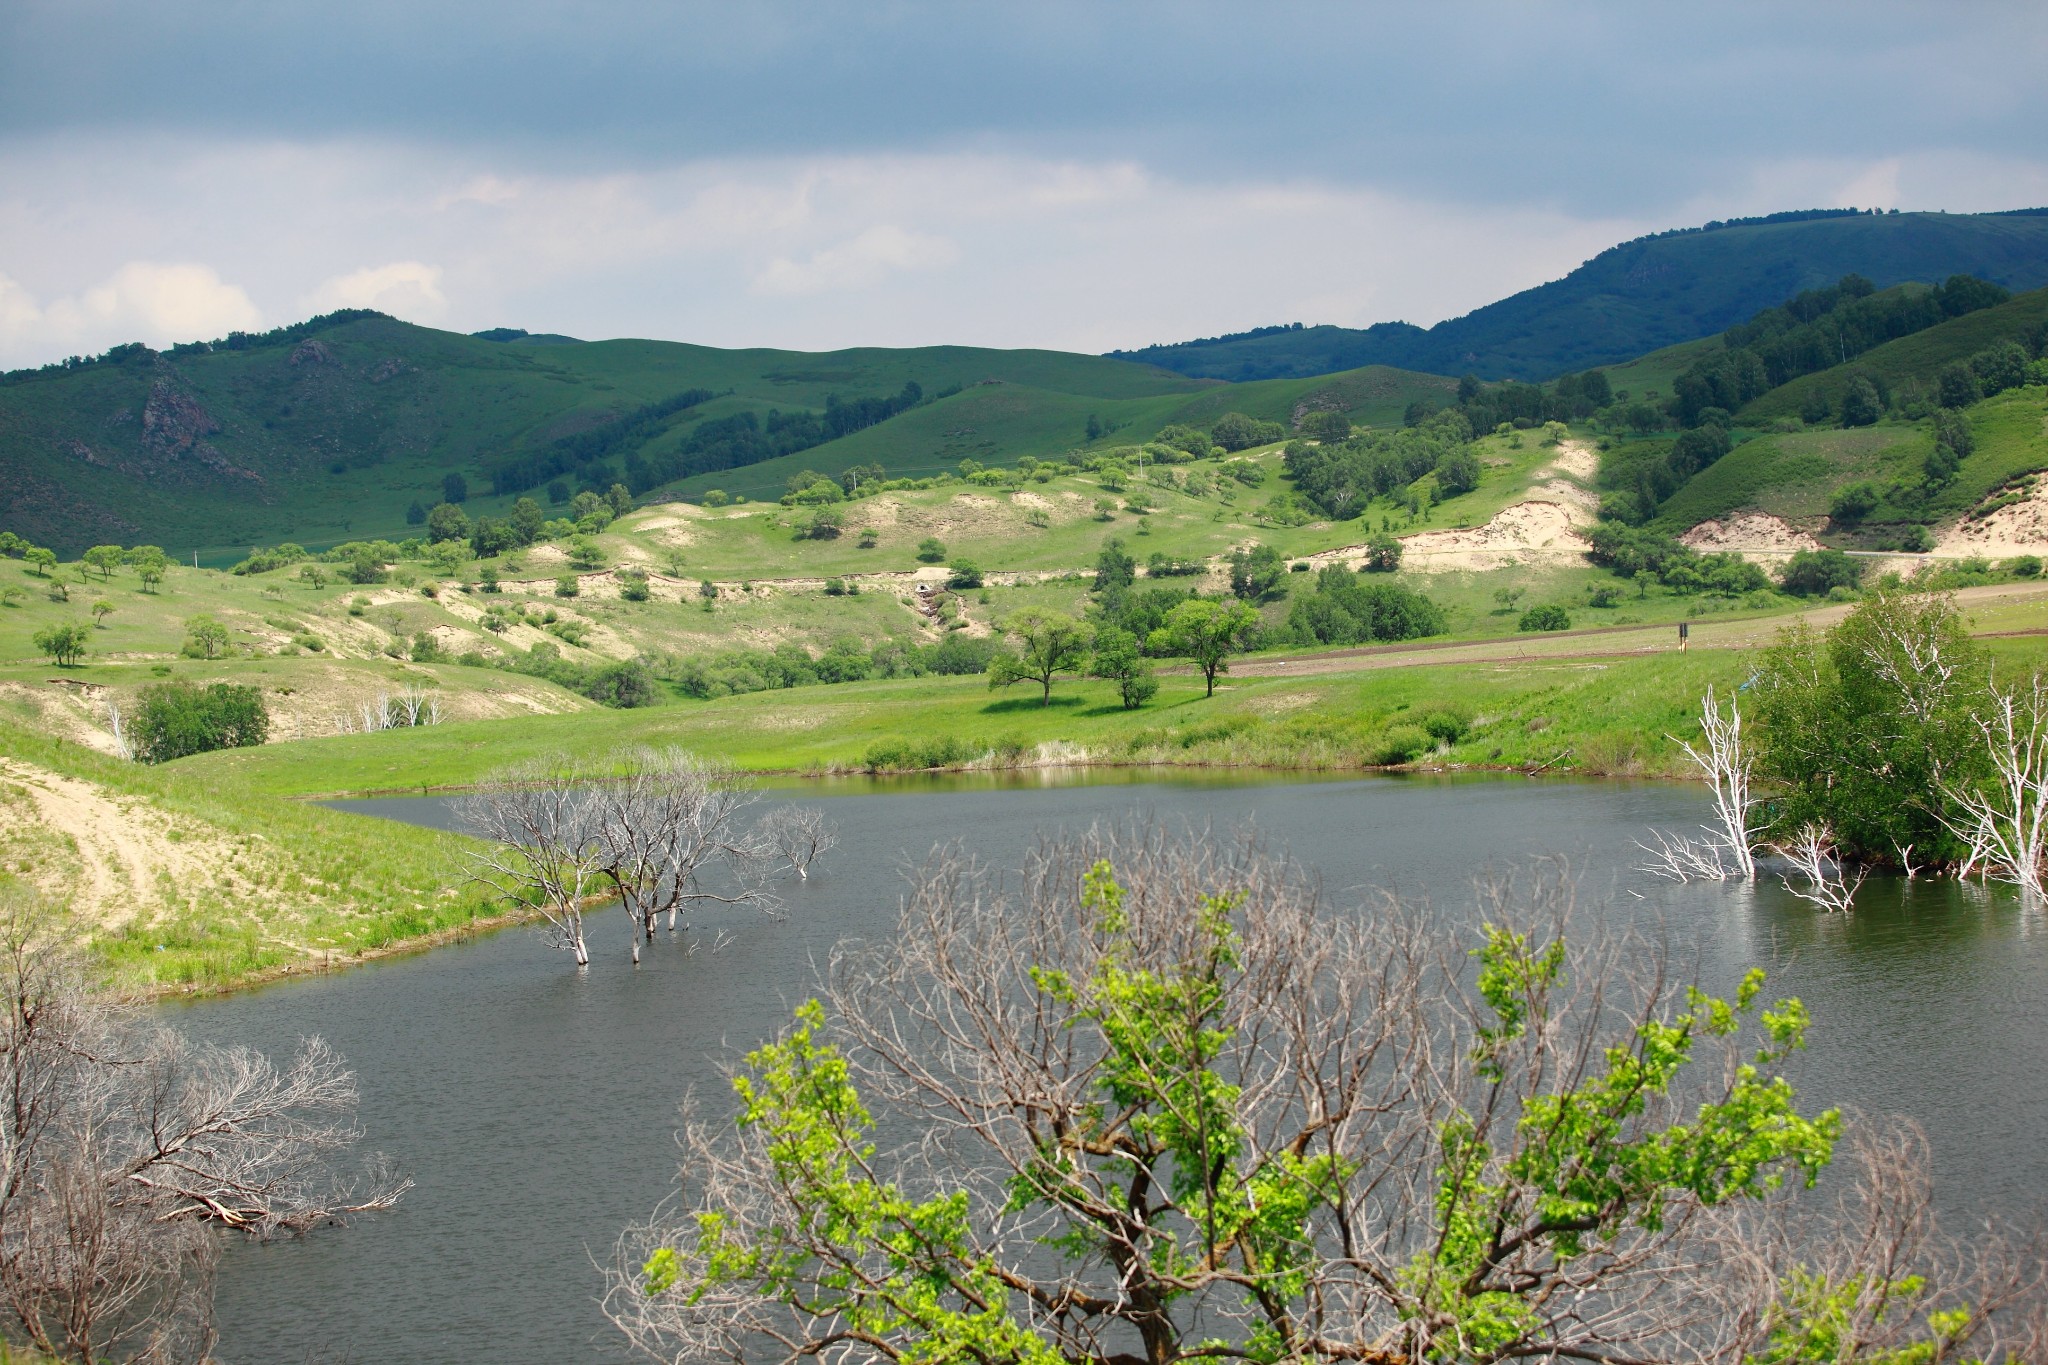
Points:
[(1644, 295), (330, 429)]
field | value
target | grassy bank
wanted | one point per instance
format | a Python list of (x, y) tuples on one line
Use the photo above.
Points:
[(179, 878)]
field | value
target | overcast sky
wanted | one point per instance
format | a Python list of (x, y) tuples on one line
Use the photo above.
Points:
[(816, 175)]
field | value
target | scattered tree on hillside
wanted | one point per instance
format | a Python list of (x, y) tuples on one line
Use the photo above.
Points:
[(448, 522), (1117, 659), (205, 637), (1206, 633), (931, 550), (454, 488), (1382, 552), (101, 610), (1048, 643), (41, 561), (150, 564), (65, 642), (1257, 572), (104, 558)]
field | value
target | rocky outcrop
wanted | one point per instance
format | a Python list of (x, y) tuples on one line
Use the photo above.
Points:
[(388, 368), (311, 351), (173, 422)]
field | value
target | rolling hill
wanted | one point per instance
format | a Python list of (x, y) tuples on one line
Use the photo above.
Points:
[(1644, 295), (330, 429)]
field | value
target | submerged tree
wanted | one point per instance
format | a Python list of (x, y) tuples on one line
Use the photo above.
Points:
[(1154, 1102), (643, 825), (126, 1146)]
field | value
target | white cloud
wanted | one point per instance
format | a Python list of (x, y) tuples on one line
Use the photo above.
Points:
[(863, 261), (404, 289), (141, 301)]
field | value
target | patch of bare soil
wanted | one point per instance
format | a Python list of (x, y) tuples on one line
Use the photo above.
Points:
[(1749, 533), (76, 712), (108, 856), (1533, 530), (2021, 529), (1575, 460)]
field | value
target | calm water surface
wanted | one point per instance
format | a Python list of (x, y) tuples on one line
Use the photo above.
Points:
[(535, 1106)]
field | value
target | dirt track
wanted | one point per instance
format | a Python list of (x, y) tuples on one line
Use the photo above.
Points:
[(1602, 642)]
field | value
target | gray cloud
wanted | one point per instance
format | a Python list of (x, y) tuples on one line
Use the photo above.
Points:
[(1043, 173)]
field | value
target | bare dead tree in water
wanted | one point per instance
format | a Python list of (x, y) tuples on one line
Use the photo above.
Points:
[(2003, 821), (540, 830), (801, 834), (664, 821), (1824, 879), (1152, 1101), (1728, 851), (124, 1147)]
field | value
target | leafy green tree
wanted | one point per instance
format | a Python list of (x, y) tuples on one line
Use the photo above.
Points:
[(447, 522), (1257, 573), (454, 488), (1952, 429), (1048, 643), (1999, 368), (104, 558), (1382, 552), (1345, 609), (1235, 431), (151, 563), (1115, 569), (1956, 386), (415, 513), (205, 637), (1547, 617), (1206, 633), (931, 550), (963, 574), (1861, 406), (1816, 573), (1331, 427), (585, 553), (1187, 1109), (101, 610), (313, 576), (620, 499), (365, 566), (1458, 472), (64, 642), (1118, 660), (527, 520), (41, 560), (177, 719), (1859, 726)]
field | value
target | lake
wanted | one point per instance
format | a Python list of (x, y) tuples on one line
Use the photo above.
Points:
[(535, 1106)]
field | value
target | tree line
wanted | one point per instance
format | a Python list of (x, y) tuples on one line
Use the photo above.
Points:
[(744, 438), (583, 454)]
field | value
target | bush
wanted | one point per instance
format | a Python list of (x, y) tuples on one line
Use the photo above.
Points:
[(624, 685), (1550, 617), (1446, 726), (2026, 566), (935, 751), (1815, 573), (177, 719), (965, 574), (931, 550), (1855, 501), (567, 586), (633, 587), (64, 643), (1401, 744)]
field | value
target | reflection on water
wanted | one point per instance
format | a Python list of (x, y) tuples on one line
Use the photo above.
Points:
[(535, 1106)]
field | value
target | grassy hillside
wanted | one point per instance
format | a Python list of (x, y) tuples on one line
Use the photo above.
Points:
[(1644, 295), (1909, 361), (329, 430)]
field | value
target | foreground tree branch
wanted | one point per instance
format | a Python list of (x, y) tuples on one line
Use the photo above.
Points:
[(123, 1146), (1152, 1100)]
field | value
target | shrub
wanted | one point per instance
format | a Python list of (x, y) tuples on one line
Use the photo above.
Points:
[(1816, 573), (1401, 744), (176, 719), (633, 587), (2026, 566), (1855, 501), (567, 586), (1548, 617), (965, 574), (1447, 726), (624, 685), (931, 550)]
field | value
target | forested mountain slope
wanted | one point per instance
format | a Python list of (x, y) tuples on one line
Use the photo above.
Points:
[(1642, 295), (337, 427)]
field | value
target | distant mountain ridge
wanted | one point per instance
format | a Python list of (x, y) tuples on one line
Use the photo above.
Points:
[(1643, 295)]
